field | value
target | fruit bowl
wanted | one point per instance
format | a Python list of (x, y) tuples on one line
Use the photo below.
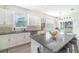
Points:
[(53, 34)]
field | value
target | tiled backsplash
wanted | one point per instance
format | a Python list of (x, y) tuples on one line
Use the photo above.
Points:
[(5, 29)]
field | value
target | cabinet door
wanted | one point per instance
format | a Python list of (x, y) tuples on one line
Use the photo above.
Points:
[(12, 40), (34, 46), (9, 17), (2, 16), (27, 38), (15, 39), (22, 38), (18, 39), (34, 20), (3, 42)]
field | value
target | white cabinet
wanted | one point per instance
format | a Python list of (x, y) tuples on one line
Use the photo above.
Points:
[(3, 42), (6, 16), (35, 46), (18, 39), (9, 17), (26, 37), (19, 42), (38, 48), (14, 40), (34, 20), (2, 16)]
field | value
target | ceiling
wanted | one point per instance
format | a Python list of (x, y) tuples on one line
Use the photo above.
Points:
[(54, 10)]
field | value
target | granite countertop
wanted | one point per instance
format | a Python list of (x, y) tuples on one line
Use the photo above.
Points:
[(15, 32), (9, 30), (51, 44)]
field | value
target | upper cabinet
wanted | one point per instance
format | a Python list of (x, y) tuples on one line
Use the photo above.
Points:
[(19, 18), (34, 20), (2, 16), (6, 17)]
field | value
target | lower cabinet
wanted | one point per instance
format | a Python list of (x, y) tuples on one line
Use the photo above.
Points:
[(35, 47), (26, 48), (15, 40), (3, 42), (18, 39), (38, 48)]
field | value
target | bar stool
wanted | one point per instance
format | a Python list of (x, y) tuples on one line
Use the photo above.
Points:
[(74, 45), (68, 48)]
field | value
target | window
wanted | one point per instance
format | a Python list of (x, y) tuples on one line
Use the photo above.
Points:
[(21, 20), (66, 26), (49, 24)]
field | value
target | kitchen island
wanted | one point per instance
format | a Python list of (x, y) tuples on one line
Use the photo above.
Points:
[(50, 44)]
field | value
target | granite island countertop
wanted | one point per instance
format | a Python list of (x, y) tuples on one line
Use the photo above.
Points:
[(52, 45)]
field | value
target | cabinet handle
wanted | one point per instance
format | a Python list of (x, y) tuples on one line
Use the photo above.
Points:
[(39, 49)]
